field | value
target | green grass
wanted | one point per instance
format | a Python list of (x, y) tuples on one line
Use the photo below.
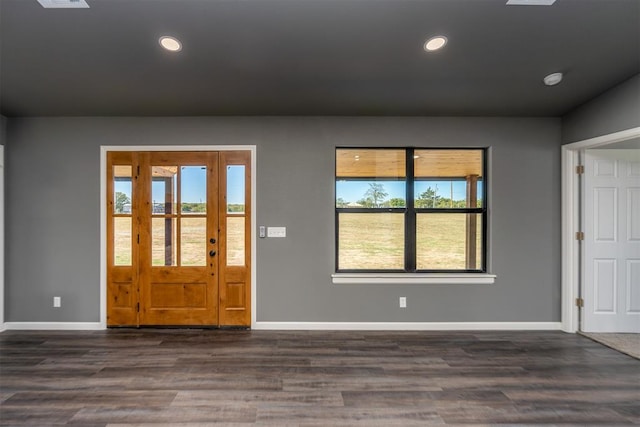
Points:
[(194, 247), (367, 241), (376, 241)]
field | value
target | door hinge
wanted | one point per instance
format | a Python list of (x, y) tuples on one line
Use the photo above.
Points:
[(580, 169), (579, 235), (579, 302), (138, 239), (138, 307)]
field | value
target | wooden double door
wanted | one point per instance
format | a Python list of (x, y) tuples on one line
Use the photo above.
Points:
[(179, 238)]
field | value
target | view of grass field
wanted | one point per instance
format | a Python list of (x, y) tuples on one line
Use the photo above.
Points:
[(367, 241), (376, 241), (193, 241)]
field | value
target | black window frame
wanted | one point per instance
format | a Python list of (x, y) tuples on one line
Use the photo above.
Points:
[(410, 211)]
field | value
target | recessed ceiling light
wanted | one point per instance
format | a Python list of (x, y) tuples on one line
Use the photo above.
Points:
[(530, 2), (435, 43), (64, 4), (553, 79), (170, 43)]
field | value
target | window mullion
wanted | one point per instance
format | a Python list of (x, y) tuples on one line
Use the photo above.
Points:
[(410, 216)]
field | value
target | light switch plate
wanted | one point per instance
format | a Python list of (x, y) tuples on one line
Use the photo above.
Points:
[(276, 231)]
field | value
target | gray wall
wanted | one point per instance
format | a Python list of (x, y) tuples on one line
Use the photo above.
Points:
[(3, 130), (615, 110), (53, 214)]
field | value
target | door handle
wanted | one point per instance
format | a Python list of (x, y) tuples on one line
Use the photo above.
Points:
[(212, 253)]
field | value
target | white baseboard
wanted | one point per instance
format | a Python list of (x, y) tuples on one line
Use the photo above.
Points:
[(54, 326), (410, 326), (325, 326)]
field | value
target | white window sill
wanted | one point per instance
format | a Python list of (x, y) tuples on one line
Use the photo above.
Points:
[(414, 278)]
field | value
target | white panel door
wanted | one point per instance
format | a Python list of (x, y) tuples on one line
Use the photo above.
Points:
[(611, 262)]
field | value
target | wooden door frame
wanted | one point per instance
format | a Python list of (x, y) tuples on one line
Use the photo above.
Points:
[(104, 149), (571, 211)]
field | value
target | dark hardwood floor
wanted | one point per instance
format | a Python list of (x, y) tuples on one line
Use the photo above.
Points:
[(237, 378)]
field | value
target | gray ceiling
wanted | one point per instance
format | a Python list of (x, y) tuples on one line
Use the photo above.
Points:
[(312, 57)]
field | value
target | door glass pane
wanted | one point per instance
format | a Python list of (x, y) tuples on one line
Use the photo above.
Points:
[(193, 241), (122, 241), (163, 189), (193, 190), (235, 188), (235, 240), (163, 241), (441, 241), (122, 189), (371, 241)]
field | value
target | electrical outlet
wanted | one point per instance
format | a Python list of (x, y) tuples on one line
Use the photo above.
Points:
[(403, 302), (57, 302)]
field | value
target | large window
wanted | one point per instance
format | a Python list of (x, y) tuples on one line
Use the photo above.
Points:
[(410, 210)]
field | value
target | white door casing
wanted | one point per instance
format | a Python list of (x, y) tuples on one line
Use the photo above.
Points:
[(611, 256)]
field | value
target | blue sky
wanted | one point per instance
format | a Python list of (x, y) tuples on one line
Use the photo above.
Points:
[(194, 185), (352, 191)]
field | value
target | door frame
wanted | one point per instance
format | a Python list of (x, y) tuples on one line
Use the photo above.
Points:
[(571, 211), (104, 149)]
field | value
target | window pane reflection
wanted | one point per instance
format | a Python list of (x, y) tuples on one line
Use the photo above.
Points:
[(235, 189), (163, 238), (164, 189), (371, 241), (193, 190), (235, 240), (449, 241), (122, 241), (193, 241), (122, 189)]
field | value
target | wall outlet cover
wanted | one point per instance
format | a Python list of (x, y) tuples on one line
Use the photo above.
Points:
[(276, 231)]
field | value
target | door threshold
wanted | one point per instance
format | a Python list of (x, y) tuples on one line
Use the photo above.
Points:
[(208, 327)]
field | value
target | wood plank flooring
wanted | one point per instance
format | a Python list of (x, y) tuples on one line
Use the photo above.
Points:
[(195, 377)]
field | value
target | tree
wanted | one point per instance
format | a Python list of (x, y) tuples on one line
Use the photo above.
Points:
[(396, 202), (428, 199), (121, 200), (341, 203), (376, 193), (366, 202)]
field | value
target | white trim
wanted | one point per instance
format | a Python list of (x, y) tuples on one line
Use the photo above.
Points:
[(601, 140), (570, 246), (104, 149), (409, 326), (325, 326), (254, 227), (103, 236), (411, 278), (54, 326), (178, 147), (570, 220)]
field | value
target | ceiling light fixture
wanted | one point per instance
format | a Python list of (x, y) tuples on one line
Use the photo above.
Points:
[(553, 79), (435, 43), (64, 4), (170, 43), (530, 2)]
